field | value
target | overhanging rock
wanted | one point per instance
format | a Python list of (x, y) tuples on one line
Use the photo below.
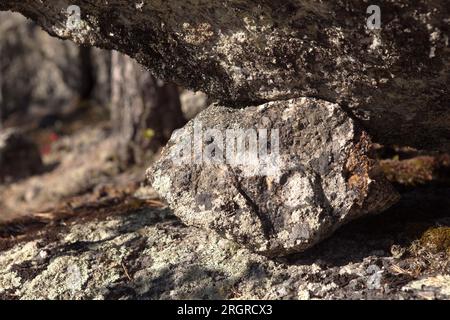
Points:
[(278, 202), (241, 52)]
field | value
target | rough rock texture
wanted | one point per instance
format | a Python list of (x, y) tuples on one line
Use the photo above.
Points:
[(279, 201), (149, 254), (394, 80), (19, 156)]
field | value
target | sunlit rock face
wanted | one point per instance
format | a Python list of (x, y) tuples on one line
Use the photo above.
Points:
[(394, 79), (327, 81), (315, 176)]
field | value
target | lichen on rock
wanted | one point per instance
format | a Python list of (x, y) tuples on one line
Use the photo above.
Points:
[(317, 177), (148, 253), (393, 79)]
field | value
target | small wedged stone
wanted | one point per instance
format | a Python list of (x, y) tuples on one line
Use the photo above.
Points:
[(274, 203)]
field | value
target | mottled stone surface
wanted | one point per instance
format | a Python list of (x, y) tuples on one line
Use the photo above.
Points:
[(149, 254), (280, 201), (394, 80)]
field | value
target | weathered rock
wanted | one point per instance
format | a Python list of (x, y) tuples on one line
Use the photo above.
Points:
[(272, 202), (19, 156), (149, 254), (394, 80)]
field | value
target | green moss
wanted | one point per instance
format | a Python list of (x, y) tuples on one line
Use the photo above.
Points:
[(437, 239)]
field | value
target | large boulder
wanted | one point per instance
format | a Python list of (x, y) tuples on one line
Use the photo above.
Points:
[(218, 173), (393, 79)]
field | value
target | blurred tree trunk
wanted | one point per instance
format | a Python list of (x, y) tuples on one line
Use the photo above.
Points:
[(1, 97), (144, 110), (1, 90), (88, 80)]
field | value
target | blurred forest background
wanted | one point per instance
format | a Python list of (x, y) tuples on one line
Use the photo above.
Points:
[(77, 120)]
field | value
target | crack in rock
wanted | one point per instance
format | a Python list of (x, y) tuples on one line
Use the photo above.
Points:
[(285, 202)]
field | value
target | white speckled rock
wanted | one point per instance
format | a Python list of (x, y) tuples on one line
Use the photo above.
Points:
[(322, 178), (393, 79)]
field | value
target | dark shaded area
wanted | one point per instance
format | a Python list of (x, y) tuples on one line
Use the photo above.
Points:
[(405, 222)]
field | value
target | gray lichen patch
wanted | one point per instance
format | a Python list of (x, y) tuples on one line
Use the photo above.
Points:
[(394, 79), (154, 256)]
